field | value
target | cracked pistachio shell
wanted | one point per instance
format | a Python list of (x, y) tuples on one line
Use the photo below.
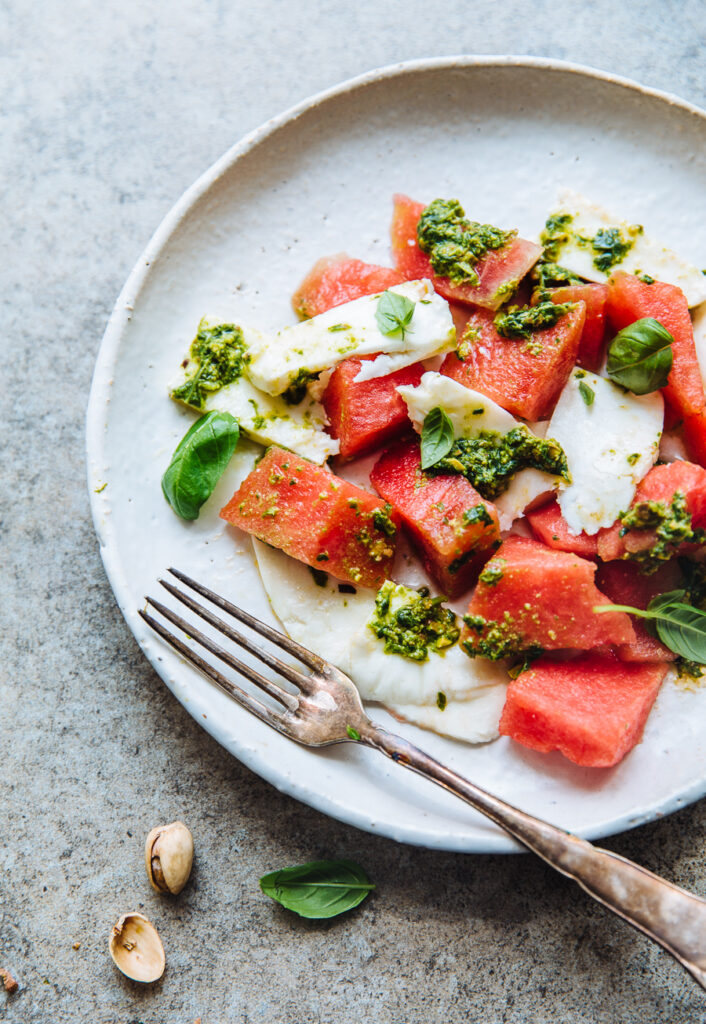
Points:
[(136, 948), (169, 854)]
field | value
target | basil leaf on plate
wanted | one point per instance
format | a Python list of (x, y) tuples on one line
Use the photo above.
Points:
[(199, 461), (640, 356), (323, 888), (680, 626), (437, 437), (394, 313)]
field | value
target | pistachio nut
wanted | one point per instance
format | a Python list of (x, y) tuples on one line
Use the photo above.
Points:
[(136, 948), (169, 854)]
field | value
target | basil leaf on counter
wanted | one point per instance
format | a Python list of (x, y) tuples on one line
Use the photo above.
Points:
[(323, 888), (199, 461), (394, 313), (437, 437), (640, 356), (680, 626)]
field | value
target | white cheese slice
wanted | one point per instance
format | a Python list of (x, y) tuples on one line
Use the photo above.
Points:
[(699, 318), (334, 625), (610, 445), (474, 720), (266, 418), (646, 255), (470, 413), (351, 330)]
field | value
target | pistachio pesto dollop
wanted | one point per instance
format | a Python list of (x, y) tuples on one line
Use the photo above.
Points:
[(217, 357), (411, 622), (523, 321), (455, 244), (671, 525), (609, 245), (491, 460)]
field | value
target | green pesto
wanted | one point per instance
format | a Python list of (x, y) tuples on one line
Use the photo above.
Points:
[(320, 577), (339, 327), (689, 669), (646, 278), (521, 321), (382, 521), (632, 459), (219, 353), (412, 623), (490, 460), (506, 290), (551, 275), (441, 700), (495, 640), (468, 339), (477, 514), (454, 244), (493, 572), (297, 387), (588, 395), (610, 246), (556, 234), (672, 527)]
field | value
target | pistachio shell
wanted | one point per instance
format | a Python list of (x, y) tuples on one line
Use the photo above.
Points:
[(136, 948), (169, 854)]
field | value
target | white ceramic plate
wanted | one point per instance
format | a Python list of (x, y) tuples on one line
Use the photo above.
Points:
[(502, 134)]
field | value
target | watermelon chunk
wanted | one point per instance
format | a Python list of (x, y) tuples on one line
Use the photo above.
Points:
[(591, 345), (530, 597), (365, 415), (625, 583), (526, 378), (499, 271), (315, 516), (660, 484), (549, 526), (592, 708), (694, 429), (630, 299), (454, 529), (334, 280)]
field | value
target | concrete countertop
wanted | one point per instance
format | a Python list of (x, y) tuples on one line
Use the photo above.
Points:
[(108, 113)]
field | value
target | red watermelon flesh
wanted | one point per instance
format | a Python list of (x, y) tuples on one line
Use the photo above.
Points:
[(549, 526), (454, 529), (625, 583), (590, 354), (315, 516), (531, 596), (365, 415), (334, 280), (498, 270), (630, 299), (660, 484), (592, 708), (694, 428), (526, 378)]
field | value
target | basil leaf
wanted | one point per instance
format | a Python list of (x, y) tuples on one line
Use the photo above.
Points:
[(394, 313), (437, 437), (199, 461), (640, 356), (680, 626), (323, 888)]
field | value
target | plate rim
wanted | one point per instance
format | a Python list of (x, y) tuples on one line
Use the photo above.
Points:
[(100, 394)]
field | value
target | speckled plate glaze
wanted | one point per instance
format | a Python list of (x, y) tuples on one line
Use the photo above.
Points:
[(503, 134)]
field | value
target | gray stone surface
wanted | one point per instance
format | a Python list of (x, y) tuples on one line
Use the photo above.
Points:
[(108, 112)]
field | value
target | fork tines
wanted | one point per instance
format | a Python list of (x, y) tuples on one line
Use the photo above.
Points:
[(288, 700)]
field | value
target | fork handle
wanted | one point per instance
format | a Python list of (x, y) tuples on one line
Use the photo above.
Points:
[(673, 917)]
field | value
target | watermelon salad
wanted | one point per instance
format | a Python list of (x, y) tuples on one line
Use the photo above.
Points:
[(477, 484)]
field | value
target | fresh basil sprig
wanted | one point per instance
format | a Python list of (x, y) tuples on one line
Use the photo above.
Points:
[(640, 356), (199, 461), (323, 888), (394, 313), (437, 437), (680, 626)]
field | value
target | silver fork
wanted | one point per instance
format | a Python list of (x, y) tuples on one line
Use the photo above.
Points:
[(327, 709)]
